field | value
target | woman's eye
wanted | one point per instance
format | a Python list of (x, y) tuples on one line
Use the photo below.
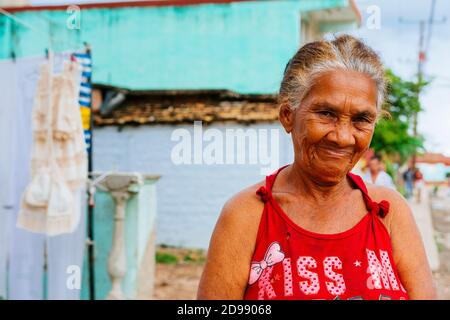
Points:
[(326, 113), (362, 119)]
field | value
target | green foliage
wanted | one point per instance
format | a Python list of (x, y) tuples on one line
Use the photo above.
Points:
[(392, 138), (166, 258), (166, 254), (188, 258), (393, 135), (196, 257)]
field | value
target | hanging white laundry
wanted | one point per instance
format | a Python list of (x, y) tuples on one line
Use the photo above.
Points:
[(59, 158), (22, 256), (65, 252)]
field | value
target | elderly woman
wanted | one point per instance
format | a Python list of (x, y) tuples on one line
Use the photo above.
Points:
[(313, 230)]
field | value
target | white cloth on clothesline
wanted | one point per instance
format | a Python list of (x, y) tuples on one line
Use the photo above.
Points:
[(22, 256), (59, 158)]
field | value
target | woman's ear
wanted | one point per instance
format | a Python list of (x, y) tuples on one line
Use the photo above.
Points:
[(286, 116)]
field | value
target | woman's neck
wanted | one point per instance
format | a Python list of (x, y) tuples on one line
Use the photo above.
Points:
[(305, 187)]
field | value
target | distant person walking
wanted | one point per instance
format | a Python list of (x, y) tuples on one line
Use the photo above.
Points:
[(419, 184), (376, 174), (408, 177), (448, 183)]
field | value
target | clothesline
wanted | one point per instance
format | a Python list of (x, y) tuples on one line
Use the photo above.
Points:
[(52, 40)]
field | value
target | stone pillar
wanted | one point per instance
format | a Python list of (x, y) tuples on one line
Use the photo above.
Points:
[(117, 263), (124, 228)]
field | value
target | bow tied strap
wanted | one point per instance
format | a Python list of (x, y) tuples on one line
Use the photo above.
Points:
[(379, 208), (263, 193)]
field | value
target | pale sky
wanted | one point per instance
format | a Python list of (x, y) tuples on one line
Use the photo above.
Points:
[(397, 43)]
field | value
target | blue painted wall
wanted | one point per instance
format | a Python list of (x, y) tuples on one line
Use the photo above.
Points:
[(241, 46)]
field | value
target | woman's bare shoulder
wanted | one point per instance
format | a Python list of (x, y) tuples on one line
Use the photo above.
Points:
[(398, 206), (239, 219), (245, 205), (232, 241), (407, 246)]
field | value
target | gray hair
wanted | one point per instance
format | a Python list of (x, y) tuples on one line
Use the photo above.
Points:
[(343, 53)]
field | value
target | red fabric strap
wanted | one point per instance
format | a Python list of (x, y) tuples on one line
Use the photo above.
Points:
[(265, 192), (378, 208)]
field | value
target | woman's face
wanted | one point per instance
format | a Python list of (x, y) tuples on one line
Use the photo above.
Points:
[(334, 124)]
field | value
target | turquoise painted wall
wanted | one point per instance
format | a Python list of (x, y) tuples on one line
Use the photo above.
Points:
[(240, 46)]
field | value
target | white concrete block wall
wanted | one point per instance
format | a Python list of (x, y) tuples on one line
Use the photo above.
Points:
[(189, 197)]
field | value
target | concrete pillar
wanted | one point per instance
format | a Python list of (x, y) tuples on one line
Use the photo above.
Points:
[(124, 232), (117, 263)]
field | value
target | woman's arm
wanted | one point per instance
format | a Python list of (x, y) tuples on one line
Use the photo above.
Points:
[(231, 247), (408, 249)]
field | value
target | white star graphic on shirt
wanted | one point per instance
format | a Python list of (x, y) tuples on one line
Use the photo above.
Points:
[(357, 263)]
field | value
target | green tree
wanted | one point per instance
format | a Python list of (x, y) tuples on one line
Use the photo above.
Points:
[(393, 136)]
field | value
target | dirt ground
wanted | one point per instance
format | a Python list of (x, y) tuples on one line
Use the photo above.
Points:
[(179, 281), (442, 280)]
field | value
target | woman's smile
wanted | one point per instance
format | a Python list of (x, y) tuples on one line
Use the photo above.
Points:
[(335, 152)]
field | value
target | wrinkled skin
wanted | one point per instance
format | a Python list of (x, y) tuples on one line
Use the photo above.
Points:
[(333, 126)]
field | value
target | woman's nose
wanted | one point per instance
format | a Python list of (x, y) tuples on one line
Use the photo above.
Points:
[(342, 135)]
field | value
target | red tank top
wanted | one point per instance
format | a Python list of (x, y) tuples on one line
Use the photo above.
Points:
[(290, 262)]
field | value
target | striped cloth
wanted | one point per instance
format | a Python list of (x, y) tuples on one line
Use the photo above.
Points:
[(85, 99)]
